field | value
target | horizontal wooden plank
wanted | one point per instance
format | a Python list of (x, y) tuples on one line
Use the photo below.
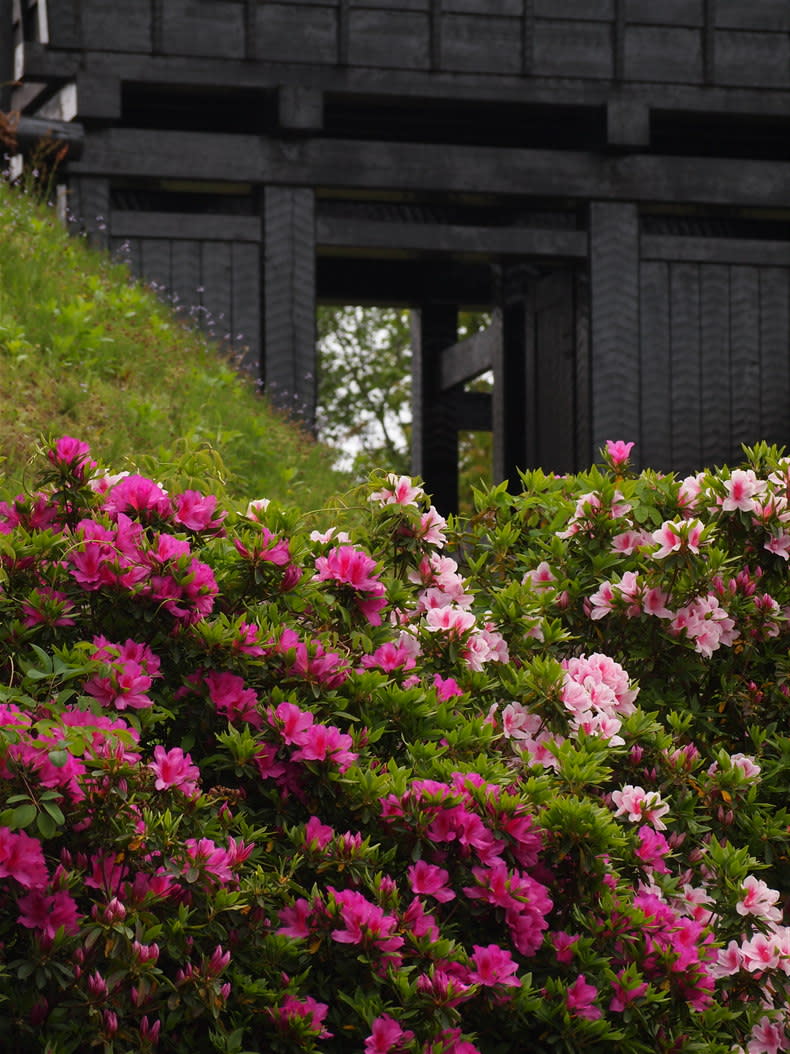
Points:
[(595, 10), (406, 5), (296, 34), (765, 14), (481, 43), (52, 65), (203, 29), (424, 167), (185, 225), (469, 358), (104, 29), (489, 8), (755, 59), (666, 13), (715, 250), (660, 53), (573, 49), (389, 39), (427, 237)]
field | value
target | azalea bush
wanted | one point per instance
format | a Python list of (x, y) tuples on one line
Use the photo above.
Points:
[(394, 785)]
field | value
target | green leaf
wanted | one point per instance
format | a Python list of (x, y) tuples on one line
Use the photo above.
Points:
[(23, 815)]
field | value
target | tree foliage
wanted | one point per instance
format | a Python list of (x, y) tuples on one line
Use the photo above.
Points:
[(364, 393)]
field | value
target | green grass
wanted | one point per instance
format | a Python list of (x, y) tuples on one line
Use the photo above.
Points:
[(88, 352)]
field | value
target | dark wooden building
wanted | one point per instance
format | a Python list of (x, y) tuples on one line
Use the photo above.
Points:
[(610, 177)]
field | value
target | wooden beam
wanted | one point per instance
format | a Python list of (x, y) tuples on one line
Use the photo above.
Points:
[(184, 226), (469, 358), (418, 167), (715, 250), (377, 282), (439, 237), (53, 63)]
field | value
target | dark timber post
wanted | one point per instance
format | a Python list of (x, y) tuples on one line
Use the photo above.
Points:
[(512, 421), (6, 53), (614, 322), (289, 354), (434, 413)]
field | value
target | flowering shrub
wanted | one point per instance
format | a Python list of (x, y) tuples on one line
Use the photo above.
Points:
[(404, 786)]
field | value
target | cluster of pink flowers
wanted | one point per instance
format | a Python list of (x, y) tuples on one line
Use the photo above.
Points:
[(163, 571), (592, 512), (597, 694), (314, 741), (349, 567), (132, 670)]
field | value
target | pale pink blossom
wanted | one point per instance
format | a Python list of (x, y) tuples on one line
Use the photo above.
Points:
[(450, 620), (759, 900), (402, 492), (640, 806), (539, 578), (742, 488), (768, 1037)]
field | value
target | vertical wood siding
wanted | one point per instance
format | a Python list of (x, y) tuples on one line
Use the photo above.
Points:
[(614, 324)]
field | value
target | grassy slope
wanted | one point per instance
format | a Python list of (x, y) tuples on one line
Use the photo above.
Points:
[(84, 351)]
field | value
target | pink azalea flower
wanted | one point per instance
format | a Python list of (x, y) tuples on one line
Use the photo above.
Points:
[(450, 620), (625, 991), (758, 900), (742, 488), (768, 1037), (446, 687), (195, 511), (618, 451), (49, 912), (637, 805), (402, 492), (231, 699), (579, 999), (73, 454), (351, 567), (429, 880), (317, 835), (174, 768), (307, 1010), (432, 527), (22, 859), (136, 495), (296, 920), (386, 1035), (492, 966)]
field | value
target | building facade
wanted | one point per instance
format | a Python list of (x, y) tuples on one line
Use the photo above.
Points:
[(610, 178)]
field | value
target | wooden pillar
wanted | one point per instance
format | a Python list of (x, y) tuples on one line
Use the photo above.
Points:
[(289, 337), (6, 54), (614, 323), (513, 422), (434, 413)]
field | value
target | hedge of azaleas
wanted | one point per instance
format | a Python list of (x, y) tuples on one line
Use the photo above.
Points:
[(397, 786)]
